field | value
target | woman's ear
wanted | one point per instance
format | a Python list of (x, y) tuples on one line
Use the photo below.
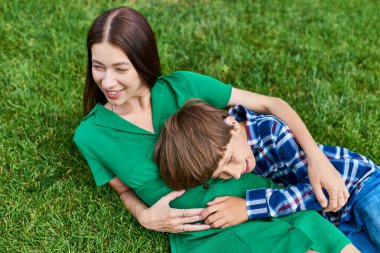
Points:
[(232, 122)]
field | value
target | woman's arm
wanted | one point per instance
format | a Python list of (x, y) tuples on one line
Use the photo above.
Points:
[(321, 172), (350, 248), (159, 217)]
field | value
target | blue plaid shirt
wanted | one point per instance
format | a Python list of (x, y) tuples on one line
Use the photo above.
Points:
[(280, 158)]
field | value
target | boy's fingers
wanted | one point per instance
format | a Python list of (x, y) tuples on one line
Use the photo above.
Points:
[(209, 210), (212, 218), (219, 223), (215, 221), (217, 200)]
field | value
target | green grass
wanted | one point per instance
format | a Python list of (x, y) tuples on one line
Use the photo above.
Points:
[(322, 57)]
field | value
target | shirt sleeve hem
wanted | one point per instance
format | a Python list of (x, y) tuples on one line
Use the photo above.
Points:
[(256, 204)]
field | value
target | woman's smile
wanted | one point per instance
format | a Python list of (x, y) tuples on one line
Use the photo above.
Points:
[(113, 94)]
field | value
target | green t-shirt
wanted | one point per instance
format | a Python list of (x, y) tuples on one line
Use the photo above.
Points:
[(114, 147)]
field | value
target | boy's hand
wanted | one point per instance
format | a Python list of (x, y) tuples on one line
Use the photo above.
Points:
[(225, 211)]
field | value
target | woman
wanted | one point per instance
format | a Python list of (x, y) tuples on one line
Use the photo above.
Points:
[(127, 100)]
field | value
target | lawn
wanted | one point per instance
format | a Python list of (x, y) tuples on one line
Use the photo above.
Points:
[(322, 57)]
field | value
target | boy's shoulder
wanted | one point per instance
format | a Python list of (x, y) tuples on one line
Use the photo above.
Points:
[(260, 126), (241, 113)]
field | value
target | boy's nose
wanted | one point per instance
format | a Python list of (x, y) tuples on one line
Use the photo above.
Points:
[(235, 172)]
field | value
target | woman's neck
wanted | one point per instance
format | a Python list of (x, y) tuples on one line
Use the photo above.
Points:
[(135, 104), (137, 111)]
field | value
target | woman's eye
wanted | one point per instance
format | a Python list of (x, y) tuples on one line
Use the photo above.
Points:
[(121, 70), (97, 67)]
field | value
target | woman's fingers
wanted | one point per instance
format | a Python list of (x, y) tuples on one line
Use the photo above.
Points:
[(342, 199), (171, 196), (338, 196), (333, 192), (323, 175), (187, 219), (321, 198), (183, 224), (194, 227), (161, 217)]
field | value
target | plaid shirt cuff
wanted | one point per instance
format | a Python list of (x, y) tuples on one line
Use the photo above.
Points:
[(256, 202)]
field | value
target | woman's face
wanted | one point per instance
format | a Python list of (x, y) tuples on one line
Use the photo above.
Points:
[(115, 75)]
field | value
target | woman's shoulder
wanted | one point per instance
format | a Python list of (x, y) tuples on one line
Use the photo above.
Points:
[(86, 126), (187, 79), (184, 76), (185, 85)]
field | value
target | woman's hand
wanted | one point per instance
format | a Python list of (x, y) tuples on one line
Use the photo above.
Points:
[(161, 217), (225, 211), (322, 174)]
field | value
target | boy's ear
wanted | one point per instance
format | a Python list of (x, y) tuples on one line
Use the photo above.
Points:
[(232, 122)]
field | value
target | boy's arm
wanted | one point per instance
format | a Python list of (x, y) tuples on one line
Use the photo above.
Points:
[(288, 165), (321, 172), (262, 203), (281, 160)]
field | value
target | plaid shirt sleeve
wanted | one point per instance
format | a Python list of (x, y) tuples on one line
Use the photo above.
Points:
[(279, 158), (262, 203)]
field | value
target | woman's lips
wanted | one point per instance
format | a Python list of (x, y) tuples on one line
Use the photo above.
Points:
[(113, 94)]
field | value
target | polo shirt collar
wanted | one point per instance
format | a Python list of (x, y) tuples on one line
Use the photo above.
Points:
[(157, 97), (106, 118)]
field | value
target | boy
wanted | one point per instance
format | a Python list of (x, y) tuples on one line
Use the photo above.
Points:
[(201, 142)]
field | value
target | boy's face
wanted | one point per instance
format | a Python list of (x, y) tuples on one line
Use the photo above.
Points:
[(238, 157)]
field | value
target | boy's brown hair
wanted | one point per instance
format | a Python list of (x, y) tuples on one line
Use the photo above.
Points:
[(191, 144)]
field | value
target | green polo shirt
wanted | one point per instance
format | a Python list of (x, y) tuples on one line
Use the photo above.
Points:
[(114, 147)]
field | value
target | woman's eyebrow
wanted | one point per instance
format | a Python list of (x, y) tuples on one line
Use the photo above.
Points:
[(122, 63), (95, 61), (115, 64)]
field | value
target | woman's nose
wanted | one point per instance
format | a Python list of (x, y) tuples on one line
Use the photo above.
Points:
[(108, 80)]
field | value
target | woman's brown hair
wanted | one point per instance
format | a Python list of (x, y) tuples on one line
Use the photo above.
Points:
[(191, 144), (128, 30)]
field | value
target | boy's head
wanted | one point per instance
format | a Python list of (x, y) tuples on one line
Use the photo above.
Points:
[(200, 142)]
